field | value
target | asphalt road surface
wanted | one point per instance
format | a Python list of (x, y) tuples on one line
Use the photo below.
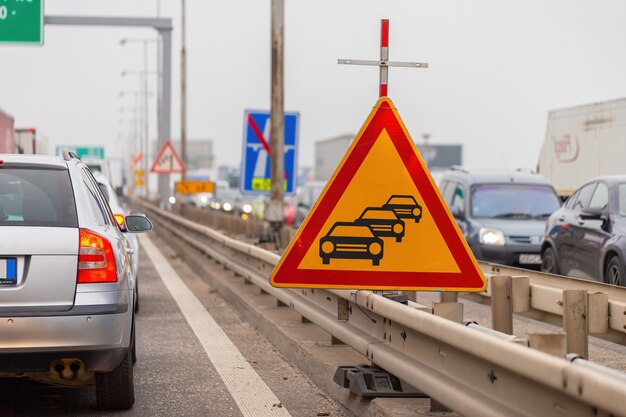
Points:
[(196, 357)]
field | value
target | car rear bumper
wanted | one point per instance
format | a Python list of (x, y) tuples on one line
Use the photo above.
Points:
[(30, 344)]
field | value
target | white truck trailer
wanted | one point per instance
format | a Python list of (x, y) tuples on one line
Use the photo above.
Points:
[(584, 142), (30, 141)]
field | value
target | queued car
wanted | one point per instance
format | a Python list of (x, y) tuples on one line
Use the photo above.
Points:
[(502, 214), (346, 240), (66, 279), (383, 222), (405, 207), (119, 213), (586, 237)]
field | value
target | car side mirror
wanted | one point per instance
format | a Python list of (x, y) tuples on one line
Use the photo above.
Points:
[(592, 213), (136, 223)]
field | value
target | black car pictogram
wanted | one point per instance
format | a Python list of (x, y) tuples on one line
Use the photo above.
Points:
[(405, 207), (347, 240), (384, 222)]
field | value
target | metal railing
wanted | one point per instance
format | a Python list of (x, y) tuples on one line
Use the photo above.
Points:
[(470, 371)]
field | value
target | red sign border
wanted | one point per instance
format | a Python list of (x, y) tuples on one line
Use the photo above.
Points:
[(382, 117), (168, 144)]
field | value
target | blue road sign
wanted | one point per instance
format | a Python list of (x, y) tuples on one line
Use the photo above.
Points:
[(255, 161)]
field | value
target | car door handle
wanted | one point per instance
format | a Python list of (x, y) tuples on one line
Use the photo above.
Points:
[(562, 218), (130, 251)]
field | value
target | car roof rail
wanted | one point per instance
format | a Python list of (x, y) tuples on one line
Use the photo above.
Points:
[(69, 155), (528, 170), (459, 168)]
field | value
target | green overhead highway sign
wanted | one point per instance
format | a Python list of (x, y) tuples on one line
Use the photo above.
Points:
[(21, 21), (82, 151)]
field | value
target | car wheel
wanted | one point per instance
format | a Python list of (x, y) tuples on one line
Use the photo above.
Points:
[(137, 294), (615, 272), (133, 346), (375, 262), (325, 261), (548, 261), (115, 390)]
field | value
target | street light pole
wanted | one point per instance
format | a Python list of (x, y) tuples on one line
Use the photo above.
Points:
[(183, 91), (275, 210), (145, 116)]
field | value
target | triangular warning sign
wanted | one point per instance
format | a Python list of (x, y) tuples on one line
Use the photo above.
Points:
[(380, 223), (168, 161)]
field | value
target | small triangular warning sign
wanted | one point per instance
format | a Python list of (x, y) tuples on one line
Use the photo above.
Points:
[(168, 161), (380, 223)]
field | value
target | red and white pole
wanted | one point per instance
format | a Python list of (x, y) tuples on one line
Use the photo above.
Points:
[(384, 56)]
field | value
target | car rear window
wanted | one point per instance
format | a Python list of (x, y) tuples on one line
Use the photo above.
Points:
[(36, 197)]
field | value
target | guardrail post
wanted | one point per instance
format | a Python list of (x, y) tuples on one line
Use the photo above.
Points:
[(448, 297), (520, 290), (502, 304), (598, 307), (451, 311), (575, 322), (553, 343)]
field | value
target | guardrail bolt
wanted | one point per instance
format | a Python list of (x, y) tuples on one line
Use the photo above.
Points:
[(403, 334), (492, 377)]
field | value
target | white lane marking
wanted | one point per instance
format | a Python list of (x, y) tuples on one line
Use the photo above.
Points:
[(253, 397)]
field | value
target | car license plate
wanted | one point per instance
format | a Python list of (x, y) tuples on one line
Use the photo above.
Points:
[(8, 271), (530, 259)]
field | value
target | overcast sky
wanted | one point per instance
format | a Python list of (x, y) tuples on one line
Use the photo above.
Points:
[(496, 69)]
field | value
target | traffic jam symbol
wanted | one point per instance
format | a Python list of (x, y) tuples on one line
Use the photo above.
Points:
[(380, 222), (362, 239)]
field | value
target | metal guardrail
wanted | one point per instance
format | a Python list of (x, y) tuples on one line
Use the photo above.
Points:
[(541, 296), (470, 371)]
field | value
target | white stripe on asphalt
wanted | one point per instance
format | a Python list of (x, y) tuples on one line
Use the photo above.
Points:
[(253, 397)]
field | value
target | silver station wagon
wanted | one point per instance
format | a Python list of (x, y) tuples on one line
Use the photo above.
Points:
[(66, 279)]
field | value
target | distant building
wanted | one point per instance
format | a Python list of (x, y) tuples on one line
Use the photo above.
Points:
[(330, 152), (328, 155), (200, 154), (441, 157)]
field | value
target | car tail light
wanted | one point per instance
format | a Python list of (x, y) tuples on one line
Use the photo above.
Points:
[(119, 218), (96, 262)]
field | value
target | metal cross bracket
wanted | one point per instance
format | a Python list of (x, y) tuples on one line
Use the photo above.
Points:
[(384, 62)]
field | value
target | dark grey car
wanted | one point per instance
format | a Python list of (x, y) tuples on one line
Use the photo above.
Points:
[(66, 279), (501, 214), (585, 238)]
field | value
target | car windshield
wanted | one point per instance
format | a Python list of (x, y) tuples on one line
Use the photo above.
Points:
[(513, 201), (622, 200), (351, 231), (36, 197), (379, 214), (405, 201)]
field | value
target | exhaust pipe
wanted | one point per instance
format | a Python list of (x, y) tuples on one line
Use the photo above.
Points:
[(67, 371)]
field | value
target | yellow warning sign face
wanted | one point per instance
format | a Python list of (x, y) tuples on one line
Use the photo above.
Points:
[(139, 178), (380, 222), (395, 216), (193, 187)]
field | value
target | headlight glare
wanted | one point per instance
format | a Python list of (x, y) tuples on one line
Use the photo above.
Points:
[(491, 237)]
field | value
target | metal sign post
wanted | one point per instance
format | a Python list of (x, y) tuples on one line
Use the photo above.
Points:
[(384, 63)]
